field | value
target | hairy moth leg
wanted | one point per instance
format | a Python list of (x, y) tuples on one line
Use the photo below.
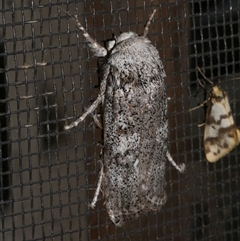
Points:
[(98, 51), (95, 198), (95, 104), (180, 167), (88, 111)]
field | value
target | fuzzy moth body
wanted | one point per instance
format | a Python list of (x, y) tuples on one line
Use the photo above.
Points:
[(220, 134), (135, 125)]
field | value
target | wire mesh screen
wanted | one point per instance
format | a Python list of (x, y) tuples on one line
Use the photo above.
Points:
[(48, 176)]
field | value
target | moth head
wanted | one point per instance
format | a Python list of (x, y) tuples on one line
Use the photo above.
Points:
[(111, 43), (217, 94)]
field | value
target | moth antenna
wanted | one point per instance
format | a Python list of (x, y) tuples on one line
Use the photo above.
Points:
[(200, 71), (94, 201), (95, 47), (146, 28)]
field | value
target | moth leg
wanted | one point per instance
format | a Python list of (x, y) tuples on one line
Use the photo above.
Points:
[(97, 121), (200, 71), (194, 108), (180, 167), (203, 124), (87, 112), (93, 203), (146, 28), (95, 47), (95, 104)]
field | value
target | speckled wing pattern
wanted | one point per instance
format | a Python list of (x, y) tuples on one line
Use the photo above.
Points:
[(220, 134), (135, 125), (135, 131)]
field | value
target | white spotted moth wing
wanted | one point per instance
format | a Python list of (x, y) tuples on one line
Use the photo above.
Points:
[(221, 134)]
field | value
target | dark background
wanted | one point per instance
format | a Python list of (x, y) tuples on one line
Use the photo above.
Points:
[(48, 77)]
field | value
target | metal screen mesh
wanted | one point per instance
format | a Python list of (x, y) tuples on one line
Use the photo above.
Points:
[(48, 76)]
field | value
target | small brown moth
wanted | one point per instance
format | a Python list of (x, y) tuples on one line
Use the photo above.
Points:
[(220, 134)]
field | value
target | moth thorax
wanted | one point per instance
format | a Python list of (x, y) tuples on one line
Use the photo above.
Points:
[(218, 94), (124, 36), (110, 44)]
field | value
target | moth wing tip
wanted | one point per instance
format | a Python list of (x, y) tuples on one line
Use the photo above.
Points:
[(238, 135), (211, 157)]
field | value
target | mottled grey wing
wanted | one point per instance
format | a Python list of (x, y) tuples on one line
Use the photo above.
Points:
[(135, 135), (134, 149), (121, 146), (154, 146)]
